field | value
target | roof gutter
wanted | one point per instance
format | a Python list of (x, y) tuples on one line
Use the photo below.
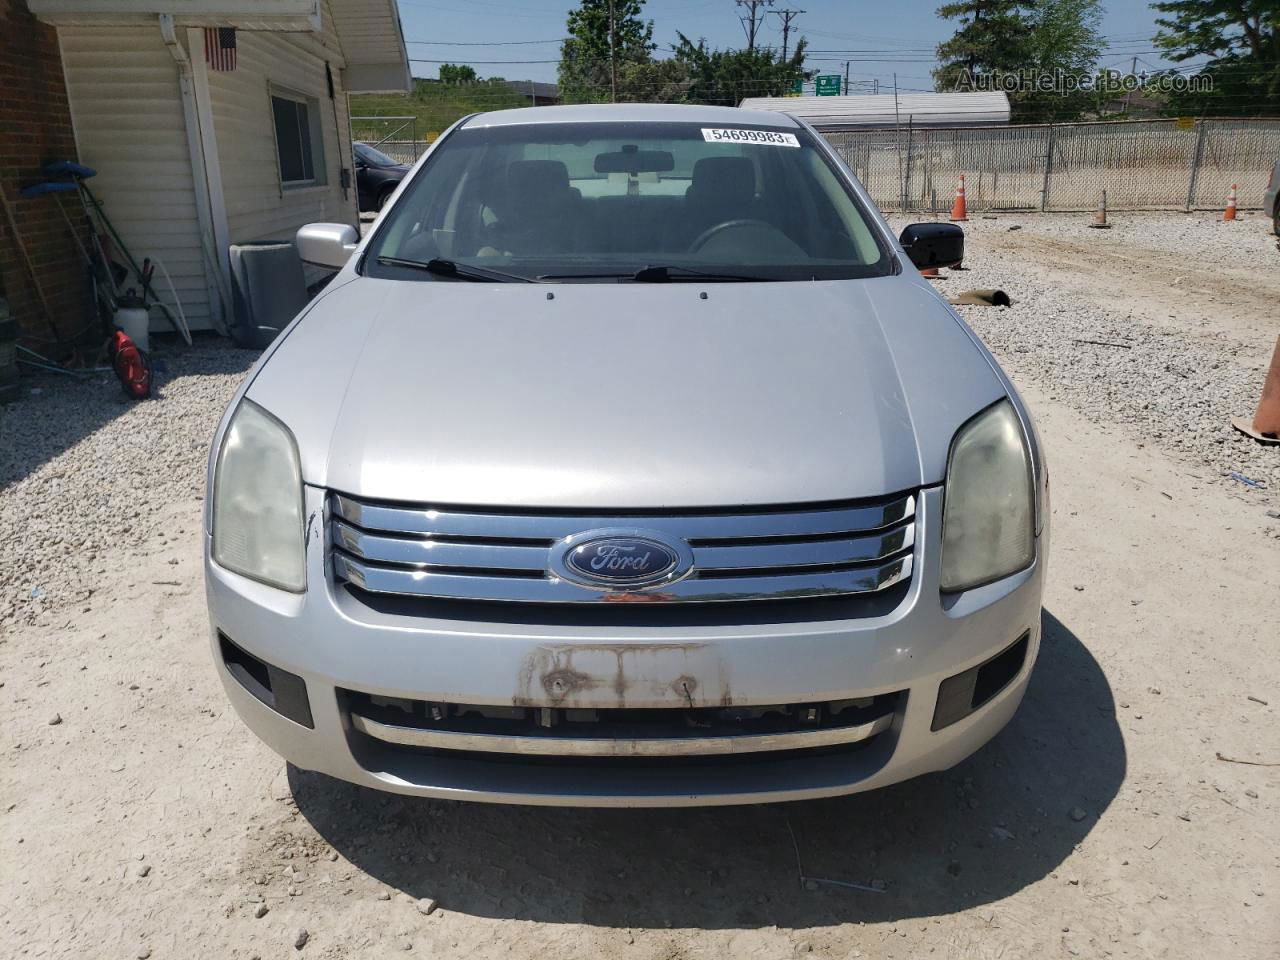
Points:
[(196, 147)]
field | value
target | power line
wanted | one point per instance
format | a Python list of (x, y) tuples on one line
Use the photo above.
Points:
[(869, 49), (485, 62), (481, 43), (606, 60), (475, 7)]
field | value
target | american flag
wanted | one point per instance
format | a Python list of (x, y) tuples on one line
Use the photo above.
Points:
[(220, 48)]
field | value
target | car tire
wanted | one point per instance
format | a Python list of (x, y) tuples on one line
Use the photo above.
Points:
[(1275, 219), (385, 195)]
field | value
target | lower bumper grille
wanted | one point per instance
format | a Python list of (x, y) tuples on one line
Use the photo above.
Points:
[(619, 733), (769, 553)]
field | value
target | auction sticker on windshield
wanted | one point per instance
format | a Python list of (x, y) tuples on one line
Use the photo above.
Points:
[(770, 138)]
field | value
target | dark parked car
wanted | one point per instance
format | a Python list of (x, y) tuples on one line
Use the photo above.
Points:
[(1271, 199), (377, 176)]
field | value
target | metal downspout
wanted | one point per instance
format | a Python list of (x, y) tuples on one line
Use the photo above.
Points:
[(199, 174)]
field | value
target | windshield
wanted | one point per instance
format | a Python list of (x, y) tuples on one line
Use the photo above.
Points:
[(376, 157), (607, 201)]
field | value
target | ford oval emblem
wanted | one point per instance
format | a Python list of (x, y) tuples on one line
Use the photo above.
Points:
[(621, 560)]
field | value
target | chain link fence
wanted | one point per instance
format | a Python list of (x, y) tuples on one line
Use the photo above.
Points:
[(397, 137), (1142, 164)]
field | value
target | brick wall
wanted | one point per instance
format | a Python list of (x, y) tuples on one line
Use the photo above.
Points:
[(35, 129)]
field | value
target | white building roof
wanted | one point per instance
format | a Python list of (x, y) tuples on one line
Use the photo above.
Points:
[(887, 110), (629, 113)]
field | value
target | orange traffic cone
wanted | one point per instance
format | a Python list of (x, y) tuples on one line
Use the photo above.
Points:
[(958, 211), (1231, 205), (1265, 427), (1100, 218)]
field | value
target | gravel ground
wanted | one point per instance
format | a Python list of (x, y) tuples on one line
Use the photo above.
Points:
[(1156, 368), (85, 471), (1195, 239)]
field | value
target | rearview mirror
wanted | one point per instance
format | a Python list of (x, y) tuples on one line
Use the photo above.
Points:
[(327, 244), (933, 244), (635, 161)]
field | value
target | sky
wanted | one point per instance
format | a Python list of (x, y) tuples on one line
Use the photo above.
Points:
[(881, 38)]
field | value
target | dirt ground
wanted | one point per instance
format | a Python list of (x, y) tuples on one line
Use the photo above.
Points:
[(147, 821)]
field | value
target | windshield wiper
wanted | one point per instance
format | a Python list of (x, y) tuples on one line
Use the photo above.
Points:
[(656, 274), (662, 273), (458, 271)]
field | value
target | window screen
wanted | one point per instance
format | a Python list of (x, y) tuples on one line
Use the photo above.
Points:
[(293, 140)]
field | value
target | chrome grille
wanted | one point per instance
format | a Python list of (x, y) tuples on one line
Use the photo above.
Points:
[(771, 553)]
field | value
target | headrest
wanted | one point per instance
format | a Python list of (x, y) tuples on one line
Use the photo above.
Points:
[(536, 178)]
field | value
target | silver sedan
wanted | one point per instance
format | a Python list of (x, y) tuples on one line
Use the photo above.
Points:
[(628, 460)]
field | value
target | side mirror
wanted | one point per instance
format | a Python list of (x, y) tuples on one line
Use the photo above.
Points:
[(327, 244), (933, 244)]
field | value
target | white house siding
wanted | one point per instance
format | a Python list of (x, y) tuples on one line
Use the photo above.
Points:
[(126, 107), (257, 207)]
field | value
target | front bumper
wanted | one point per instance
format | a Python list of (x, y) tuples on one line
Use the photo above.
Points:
[(335, 644)]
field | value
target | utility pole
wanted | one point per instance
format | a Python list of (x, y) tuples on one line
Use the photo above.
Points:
[(755, 16), (613, 54), (846, 78), (786, 16), (1129, 93)]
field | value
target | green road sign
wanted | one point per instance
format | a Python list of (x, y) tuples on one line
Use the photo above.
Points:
[(797, 88), (827, 85)]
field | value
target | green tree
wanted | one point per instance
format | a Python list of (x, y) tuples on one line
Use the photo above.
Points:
[(994, 38), (455, 73), (1242, 40), (659, 81), (727, 76), (1066, 34), (601, 48), (1012, 44), (1066, 40)]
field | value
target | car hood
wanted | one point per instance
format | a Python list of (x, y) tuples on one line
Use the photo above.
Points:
[(626, 396)]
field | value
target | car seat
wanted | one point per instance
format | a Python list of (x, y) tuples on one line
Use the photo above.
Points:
[(722, 189)]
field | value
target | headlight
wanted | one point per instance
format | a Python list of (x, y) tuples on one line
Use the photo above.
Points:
[(988, 523), (257, 501)]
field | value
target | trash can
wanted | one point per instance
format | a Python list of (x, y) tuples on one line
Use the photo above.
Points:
[(268, 290)]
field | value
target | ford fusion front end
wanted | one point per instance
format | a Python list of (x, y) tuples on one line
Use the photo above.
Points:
[(626, 464)]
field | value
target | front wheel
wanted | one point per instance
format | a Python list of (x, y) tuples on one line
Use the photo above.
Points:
[(385, 195)]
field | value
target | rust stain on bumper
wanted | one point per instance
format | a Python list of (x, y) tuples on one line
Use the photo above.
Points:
[(620, 675)]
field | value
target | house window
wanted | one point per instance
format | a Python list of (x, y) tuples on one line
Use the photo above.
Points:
[(299, 150)]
